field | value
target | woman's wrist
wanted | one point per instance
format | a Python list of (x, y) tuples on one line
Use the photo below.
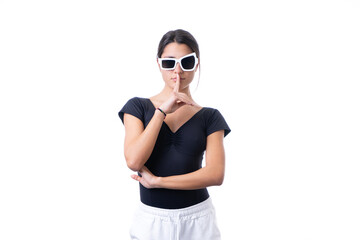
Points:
[(158, 182), (159, 114), (162, 111)]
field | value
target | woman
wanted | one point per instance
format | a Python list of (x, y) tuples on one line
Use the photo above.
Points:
[(165, 139)]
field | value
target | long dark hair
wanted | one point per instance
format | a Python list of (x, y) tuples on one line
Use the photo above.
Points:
[(182, 37)]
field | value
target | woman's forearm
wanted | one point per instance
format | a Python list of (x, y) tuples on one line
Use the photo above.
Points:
[(210, 175), (138, 151), (202, 178)]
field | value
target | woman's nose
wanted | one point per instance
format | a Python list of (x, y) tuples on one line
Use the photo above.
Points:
[(178, 68)]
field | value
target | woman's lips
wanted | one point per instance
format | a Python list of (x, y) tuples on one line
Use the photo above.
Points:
[(174, 79)]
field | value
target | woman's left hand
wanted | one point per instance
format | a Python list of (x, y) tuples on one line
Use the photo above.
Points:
[(147, 179)]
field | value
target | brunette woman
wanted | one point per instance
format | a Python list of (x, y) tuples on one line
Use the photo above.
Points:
[(166, 136)]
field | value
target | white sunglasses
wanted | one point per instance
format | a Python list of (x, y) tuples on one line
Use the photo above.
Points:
[(187, 63)]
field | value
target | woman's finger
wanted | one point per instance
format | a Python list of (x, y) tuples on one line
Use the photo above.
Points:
[(184, 98), (180, 104), (177, 83), (136, 177), (141, 180)]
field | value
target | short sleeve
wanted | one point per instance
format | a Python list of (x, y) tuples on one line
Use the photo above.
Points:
[(216, 122), (132, 107)]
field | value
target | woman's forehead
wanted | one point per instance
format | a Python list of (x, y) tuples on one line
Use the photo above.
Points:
[(176, 50)]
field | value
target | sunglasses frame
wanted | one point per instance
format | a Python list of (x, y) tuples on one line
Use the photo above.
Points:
[(179, 61)]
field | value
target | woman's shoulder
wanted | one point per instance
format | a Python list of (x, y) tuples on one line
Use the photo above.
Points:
[(139, 101), (214, 121), (136, 106), (208, 111), (211, 114)]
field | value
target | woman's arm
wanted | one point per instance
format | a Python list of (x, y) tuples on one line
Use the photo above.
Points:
[(210, 175), (139, 142)]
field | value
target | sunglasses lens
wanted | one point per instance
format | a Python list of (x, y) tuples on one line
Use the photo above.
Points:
[(188, 63), (168, 63)]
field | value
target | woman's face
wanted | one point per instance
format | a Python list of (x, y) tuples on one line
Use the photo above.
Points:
[(176, 50)]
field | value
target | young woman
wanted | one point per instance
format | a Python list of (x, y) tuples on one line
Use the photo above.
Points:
[(165, 139)]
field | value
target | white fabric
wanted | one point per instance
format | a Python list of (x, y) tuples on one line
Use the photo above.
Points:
[(197, 222)]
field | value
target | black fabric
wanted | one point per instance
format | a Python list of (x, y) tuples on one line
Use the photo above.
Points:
[(176, 153)]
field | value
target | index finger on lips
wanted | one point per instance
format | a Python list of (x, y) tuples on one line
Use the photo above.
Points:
[(177, 83)]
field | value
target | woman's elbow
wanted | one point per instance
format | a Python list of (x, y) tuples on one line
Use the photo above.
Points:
[(133, 163), (133, 166), (218, 180)]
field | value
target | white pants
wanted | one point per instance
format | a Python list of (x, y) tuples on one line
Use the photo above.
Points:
[(196, 222)]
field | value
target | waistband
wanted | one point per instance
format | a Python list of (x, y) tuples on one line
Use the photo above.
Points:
[(195, 211)]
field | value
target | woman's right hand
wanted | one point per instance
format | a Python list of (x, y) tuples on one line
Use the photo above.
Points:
[(177, 99)]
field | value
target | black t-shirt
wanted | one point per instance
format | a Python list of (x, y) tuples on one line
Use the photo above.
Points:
[(176, 153)]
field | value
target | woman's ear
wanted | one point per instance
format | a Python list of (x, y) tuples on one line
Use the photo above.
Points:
[(157, 61), (197, 66)]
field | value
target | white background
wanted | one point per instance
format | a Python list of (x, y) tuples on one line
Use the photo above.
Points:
[(285, 75)]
